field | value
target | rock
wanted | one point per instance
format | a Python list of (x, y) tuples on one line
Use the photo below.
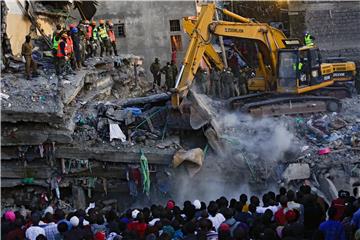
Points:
[(296, 171)]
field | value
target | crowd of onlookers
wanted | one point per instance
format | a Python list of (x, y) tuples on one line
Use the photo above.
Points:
[(286, 215)]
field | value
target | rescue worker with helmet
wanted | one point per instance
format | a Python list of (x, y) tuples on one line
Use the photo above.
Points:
[(308, 39), (112, 39), (94, 40), (70, 47), (61, 55), (88, 35), (103, 38), (74, 33)]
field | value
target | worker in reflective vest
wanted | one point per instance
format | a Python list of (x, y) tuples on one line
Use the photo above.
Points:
[(93, 40), (103, 38), (112, 39), (61, 54), (55, 41), (308, 39)]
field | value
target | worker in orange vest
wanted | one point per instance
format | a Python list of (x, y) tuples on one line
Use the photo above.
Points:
[(61, 55), (112, 39), (70, 48)]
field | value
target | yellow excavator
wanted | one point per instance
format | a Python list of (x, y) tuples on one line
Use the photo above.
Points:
[(280, 86)]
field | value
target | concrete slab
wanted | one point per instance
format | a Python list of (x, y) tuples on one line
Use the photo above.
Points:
[(32, 134), (33, 100)]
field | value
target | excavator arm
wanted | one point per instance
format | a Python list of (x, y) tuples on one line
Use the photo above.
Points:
[(205, 27)]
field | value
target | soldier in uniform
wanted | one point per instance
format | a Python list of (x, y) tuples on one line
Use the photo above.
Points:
[(227, 83), (174, 71), (169, 77), (26, 51), (215, 84), (155, 69)]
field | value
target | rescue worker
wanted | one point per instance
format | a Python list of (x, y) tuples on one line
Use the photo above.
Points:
[(70, 48), (155, 69), (74, 33), (82, 34), (56, 32), (94, 39), (103, 38), (227, 83), (26, 52), (174, 70), (112, 39), (237, 65), (308, 39), (169, 79), (88, 36), (61, 55), (215, 84), (55, 41), (201, 80)]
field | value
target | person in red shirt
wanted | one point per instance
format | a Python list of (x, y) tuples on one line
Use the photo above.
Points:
[(139, 226), (340, 204), (280, 215)]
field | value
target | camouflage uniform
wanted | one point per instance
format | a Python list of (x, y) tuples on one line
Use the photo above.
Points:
[(227, 82), (169, 79), (215, 84)]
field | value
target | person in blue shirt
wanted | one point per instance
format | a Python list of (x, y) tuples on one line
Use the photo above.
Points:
[(332, 229)]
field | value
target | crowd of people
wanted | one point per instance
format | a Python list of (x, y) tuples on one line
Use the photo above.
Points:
[(72, 44), (286, 215)]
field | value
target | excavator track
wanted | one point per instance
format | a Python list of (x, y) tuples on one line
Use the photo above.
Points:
[(280, 104), (336, 91)]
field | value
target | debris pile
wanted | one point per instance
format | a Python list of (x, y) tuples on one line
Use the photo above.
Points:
[(82, 132)]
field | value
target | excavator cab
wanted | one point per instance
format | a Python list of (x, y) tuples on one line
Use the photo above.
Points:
[(300, 70)]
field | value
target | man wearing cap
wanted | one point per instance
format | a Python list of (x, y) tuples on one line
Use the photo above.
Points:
[(155, 69), (26, 52), (103, 38), (112, 39)]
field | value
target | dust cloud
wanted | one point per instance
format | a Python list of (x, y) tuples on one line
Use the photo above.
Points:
[(253, 148)]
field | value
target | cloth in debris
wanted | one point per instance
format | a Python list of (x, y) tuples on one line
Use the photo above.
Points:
[(116, 133)]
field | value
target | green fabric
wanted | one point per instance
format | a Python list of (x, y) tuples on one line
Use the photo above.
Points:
[(299, 66), (145, 173), (95, 33), (56, 43), (308, 40), (27, 180), (102, 32)]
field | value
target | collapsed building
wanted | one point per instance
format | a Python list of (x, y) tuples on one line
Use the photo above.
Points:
[(101, 134)]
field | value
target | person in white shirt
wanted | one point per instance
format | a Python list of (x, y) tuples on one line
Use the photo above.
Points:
[(34, 231), (214, 216)]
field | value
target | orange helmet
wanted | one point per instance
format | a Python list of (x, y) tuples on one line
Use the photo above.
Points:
[(93, 23), (101, 21)]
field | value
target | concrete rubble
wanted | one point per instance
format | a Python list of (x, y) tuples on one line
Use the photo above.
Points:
[(85, 133)]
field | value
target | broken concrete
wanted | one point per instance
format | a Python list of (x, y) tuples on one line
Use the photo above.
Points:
[(296, 171)]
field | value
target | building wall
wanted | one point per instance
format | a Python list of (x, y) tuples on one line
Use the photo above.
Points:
[(334, 24), (18, 26), (147, 26)]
